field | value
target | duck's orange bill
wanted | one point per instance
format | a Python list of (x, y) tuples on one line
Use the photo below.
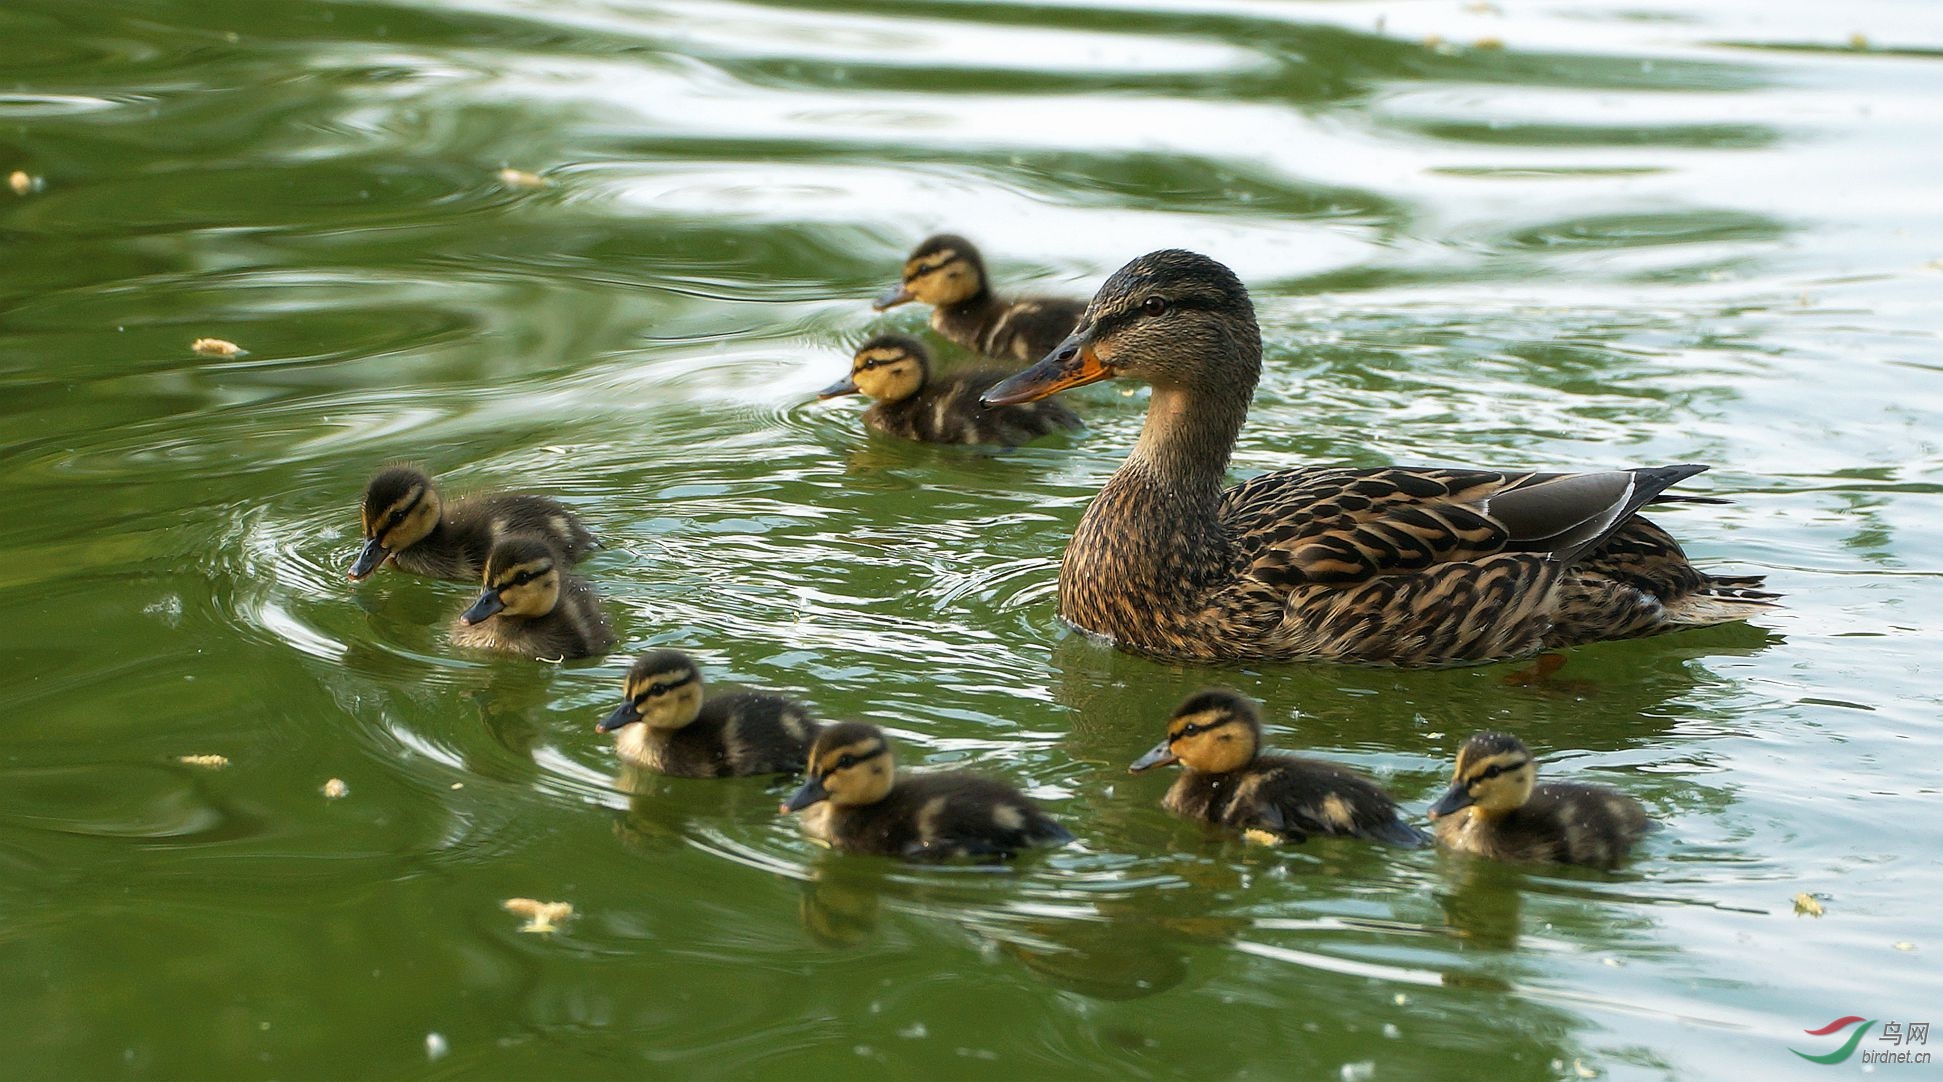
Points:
[(1066, 367)]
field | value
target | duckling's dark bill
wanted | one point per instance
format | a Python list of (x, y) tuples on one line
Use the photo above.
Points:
[(1456, 800), (482, 609), (812, 792), (1073, 364), (1161, 755), (893, 297), (838, 389), (624, 714), (368, 559)]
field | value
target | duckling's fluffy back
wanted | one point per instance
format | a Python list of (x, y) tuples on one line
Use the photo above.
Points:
[(938, 816), (741, 733), (1561, 823), (1293, 797)]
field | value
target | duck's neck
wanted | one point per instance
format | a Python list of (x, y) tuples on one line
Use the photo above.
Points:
[(1184, 448), (1154, 537)]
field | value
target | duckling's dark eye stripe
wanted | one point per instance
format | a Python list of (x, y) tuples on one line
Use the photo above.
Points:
[(856, 759), (1494, 770), (1198, 728), (663, 687)]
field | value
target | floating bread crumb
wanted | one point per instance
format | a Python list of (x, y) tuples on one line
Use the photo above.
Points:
[(215, 347), (541, 917), (213, 762), (22, 181), (1260, 837), (520, 178), (335, 789), (1807, 906)]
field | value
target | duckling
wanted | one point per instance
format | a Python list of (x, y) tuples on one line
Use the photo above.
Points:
[(947, 273), (1216, 735), (1397, 565), (747, 732), (1495, 809), (912, 403), (859, 804), (531, 606), (406, 521)]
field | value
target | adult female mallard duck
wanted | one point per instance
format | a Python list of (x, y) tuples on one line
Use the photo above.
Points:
[(1495, 808), (1393, 566), (405, 520), (947, 273), (532, 607), (859, 803), (665, 726), (1216, 737), (913, 403)]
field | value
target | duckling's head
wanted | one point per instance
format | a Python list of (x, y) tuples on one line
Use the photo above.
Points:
[(889, 368), (400, 507), (1494, 774), (522, 579), (1211, 732), (663, 689), (850, 764), (943, 271), (1170, 318)]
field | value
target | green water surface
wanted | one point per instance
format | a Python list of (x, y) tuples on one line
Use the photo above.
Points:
[(1547, 234)]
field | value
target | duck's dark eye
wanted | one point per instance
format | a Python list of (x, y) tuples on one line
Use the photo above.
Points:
[(1188, 730), (397, 517), (522, 578), (846, 762), (1154, 306)]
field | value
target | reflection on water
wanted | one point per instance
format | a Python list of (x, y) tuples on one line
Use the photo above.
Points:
[(1511, 235)]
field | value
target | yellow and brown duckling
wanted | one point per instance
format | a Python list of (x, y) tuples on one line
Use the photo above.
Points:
[(406, 522), (1387, 566), (1226, 778), (857, 802), (912, 402), (532, 606), (1495, 808), (947, 273), (666, 726)]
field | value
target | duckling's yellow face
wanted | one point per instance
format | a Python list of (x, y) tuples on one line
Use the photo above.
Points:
[(850, 764), (887, 372), (667, 699), (945, 277), (521, 580), (1495, 775), (1210, 733), (944, 270), (400, 509)]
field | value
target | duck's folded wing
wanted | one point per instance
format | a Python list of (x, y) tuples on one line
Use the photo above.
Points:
[(1342, 526)]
